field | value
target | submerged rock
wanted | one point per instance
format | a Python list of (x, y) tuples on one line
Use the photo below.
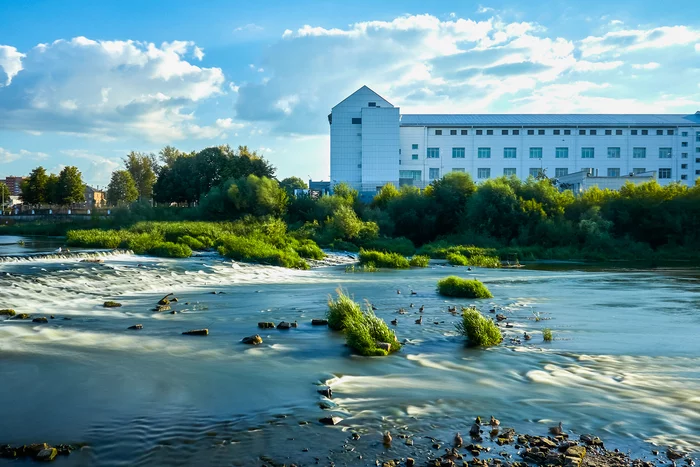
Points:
[(319, 322), (22, 316), (7, 312), (264, 325), (284, 325), (196, 332), (136, 327), (46, 455), (111, 304), (330, 420), (40, 320), (160, 308), (252, 340)]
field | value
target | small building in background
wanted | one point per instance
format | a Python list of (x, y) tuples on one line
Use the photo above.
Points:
[(94, 198), (14, 184), (319, 188), (579, 182)]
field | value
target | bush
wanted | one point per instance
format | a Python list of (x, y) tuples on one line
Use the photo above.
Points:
[(341, 245), (342, 311), (309, 249), (383, 260), (479, 330), (454, 286), (254, 249), (191, 242), (363, 335), (400, 245), (420, 261), (171, 250), (457, 260), (547, 335)]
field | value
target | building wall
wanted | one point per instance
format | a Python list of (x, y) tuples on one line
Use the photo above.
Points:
[(14, 185), (380, 147)]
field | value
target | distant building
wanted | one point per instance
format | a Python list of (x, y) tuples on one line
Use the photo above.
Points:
[(94, 198), (579, 182), (14, 184)]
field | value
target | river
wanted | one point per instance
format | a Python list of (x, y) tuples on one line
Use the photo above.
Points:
[(624, 363)]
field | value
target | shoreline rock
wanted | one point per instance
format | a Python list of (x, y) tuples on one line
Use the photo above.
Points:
[(196, 332), (252, 340)]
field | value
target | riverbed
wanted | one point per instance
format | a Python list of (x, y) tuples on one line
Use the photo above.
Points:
[(624, 363)]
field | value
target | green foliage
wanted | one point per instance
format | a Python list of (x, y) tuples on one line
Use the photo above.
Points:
[(400, 245), (361, 268), (457, 260), (454, 286), (259, 196), (171, 250), (309, 249), (34, 187), (70, 187), (547, 335), (4, 194), (345, 225), (193, 243), (290, 184), (257, 249), (383, 260), (342, 311), (420, 261), (142, 168), (479, 330), (121, 189)]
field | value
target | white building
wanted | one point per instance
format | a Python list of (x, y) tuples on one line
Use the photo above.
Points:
[(373, 144)]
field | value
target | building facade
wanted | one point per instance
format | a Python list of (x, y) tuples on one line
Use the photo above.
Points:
[(373, 144), (14, 184)]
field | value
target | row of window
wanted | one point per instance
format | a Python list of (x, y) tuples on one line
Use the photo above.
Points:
[(485, 172), (583, 132), (536, 153)]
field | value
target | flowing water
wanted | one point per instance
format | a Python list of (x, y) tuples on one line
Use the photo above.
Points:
[(625, 362)]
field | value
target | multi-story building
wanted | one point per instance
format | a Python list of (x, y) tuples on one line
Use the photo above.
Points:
[(373, 144), (14, 184)]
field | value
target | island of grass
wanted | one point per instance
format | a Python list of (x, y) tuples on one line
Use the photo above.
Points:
[(420, 261), (365, 333), (454, 286), (479, 330), (382, 259)]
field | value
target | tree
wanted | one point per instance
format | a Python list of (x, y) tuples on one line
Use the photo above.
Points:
[(34, 188), (52, 195), (122, 188), (290, 184), (259, 196), (71, 188), (168, 155), (143, 168), (4, 194)]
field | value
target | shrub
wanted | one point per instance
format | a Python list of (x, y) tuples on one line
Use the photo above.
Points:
[(191, 242), (457, 259), (547, 335), (342, 311), (420, 261), (454, 286), (383, 260), (341, 245), (255, 249), (309, 249), (400, 245), (479, 330), (363, 335), (171, 250)]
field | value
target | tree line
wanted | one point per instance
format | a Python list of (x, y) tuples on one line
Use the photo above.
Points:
[(63, 189)]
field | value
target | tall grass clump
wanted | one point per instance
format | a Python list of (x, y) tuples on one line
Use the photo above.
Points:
[(191, 242), (384, 260), (457, 260), (420, 261), (454, 286), (547, 335), (253, 249), (479, 330), (342, 311), (364, 334), (171, 250), (308, 249)]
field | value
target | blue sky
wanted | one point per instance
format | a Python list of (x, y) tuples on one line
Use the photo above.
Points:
[(83, 83)]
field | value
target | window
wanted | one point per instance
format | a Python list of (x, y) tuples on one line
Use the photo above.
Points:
[(639, 170), (593, 132), (434, 173), (613, 172), (581, 132), (664, 173), (557, 132), (516, 132), (414, 146), (535, 153), (510, 153), (645, 132), (633, 132), (483, 173), (457, 153), (561, 172), (433, 153), (463, 132), (697, 136), (684, 134), (489, 132), (359, 166), (608, 132), (483, 153), (540, 132), (372, 104), (453, 132), (438, 132), (510, 171), (684, 155), (504, 132), (659, 132), (697, 149), (618, 132), (684, 177), (639, 153), (684, 166), (665, 153), (697, 172), (357, 121), (458, 169), (684, 144), (613, 153), (567, 132), (562, 153), (587, 153), (414, 157), (479, 132), (535, 171), (399, 151), (669, 132), (530, 132), (410, 174)]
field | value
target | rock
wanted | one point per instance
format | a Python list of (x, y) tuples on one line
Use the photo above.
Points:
[(326, 405), (327, 391), (409, 442), (136, 327), (252, 340), (410, 462), (46, 455), (384, 346), (197, 332), (165, 300), (674, 455), (111, 304), (389, 464), (543, 442), (330, 420), (572, 461), (500, 317), (22, 316), (576, 451), (294, 324), (284, 325), (266, 325), (40, 320), (355, 436), (319, 322), (591, 440), (160, 308), (7, 312), (33, 449), (52, 317)]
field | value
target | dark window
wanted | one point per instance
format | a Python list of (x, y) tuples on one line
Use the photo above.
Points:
[(594, 132), (557, 132), (645, 132), (453, 132), (357, 121), (659, 132), (567, 132), (489, 132), (669, 132), (684, 166), (618, 132), (530, 132), (504, 132), (684, 177), (540, 132), (608, 132), (479, 132), (581, 132), (464, 132), (516, 132), (633, 132), (372, 104), (414, 146), (438, 132)]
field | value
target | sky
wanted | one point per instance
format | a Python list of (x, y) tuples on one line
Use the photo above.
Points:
[(84, 83)]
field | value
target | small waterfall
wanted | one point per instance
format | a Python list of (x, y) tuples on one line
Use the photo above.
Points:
[(65, 255)]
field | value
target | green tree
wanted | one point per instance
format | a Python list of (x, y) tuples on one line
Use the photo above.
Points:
[(52, 191), (290, 184), (168, 156), (4, 194), (450, 195), (34, 188), (259, 196), (122, 188), (70, 187), (143, 168)]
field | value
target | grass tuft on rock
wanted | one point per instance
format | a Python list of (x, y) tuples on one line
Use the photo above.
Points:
[(478, 329), (454, 286), (384, 260), (547, 335), (420, 261), (342, 311)]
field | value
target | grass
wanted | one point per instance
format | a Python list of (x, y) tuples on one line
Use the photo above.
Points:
[(420, 261), (457, 260), (171, 250), (384, 260), (462, 255), (479, 330), (454, 286), (342, 311), (361, 268), (547, 335)]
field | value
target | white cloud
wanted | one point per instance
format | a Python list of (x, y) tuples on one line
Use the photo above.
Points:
[(585, 65), (107, 89), (484, 9), (198, 53), (7, 156), (10, 63), (96, 169), (228, 123), (233, 86), (251, 27), (617, 42), (697, 47), (646, 66), (615, 22)]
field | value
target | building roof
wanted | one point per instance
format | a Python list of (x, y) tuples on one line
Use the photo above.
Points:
[(600, 120)]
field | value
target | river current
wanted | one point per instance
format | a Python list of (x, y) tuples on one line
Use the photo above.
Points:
[(624, 363)]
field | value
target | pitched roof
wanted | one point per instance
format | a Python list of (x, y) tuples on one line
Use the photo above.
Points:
[(364, 86), (550, 120)]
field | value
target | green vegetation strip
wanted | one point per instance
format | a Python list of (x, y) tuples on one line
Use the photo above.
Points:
[(479, 330), (454, 286)]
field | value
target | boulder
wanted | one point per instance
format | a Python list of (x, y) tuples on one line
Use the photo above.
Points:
[(46, 455), (252, 340), (319, 322), (160, 308), (33, 449), (284, 325), (136, 327), (7, 312), (165, 300), (111, 304), (576, 451), (264, 325), (543, 442), (22, 316), (196, 332), (40, 320), (410, 462), (591, 440), (330, 420), (500, 317), (384, 346), (327, 391), (674, 455)]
